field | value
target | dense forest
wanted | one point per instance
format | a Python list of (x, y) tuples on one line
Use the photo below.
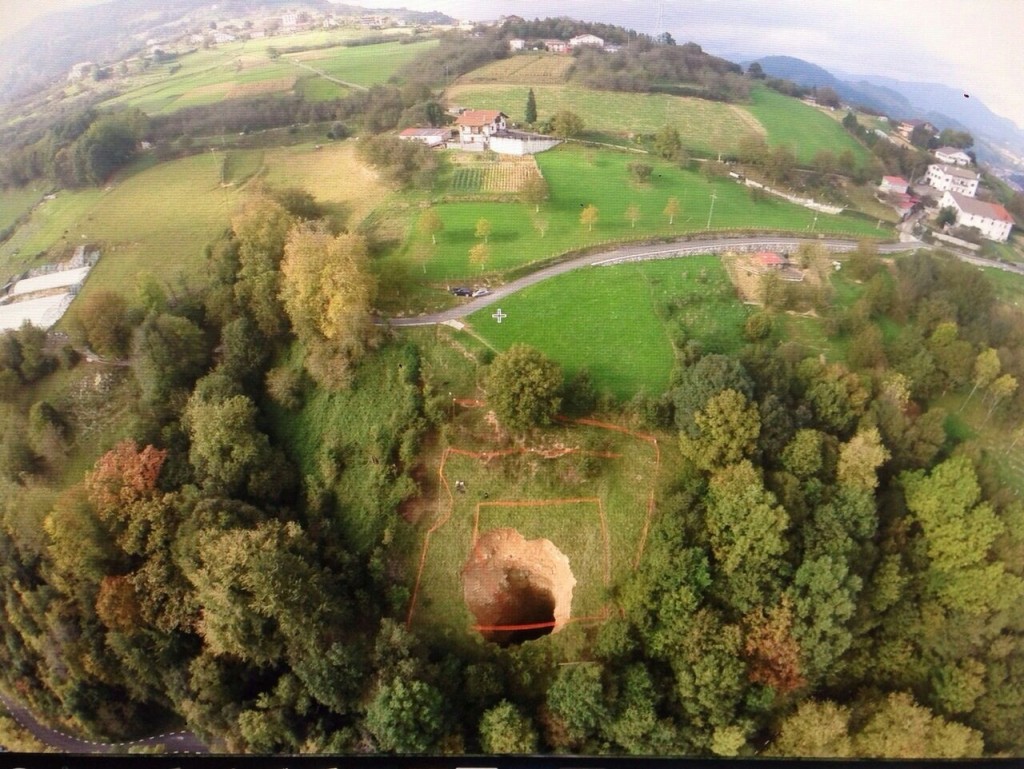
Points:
[(826, 563)]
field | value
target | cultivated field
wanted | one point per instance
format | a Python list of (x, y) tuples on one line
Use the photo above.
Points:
[(705, 126), (620, 322), (805, 129), (504, 176), (528, 69)]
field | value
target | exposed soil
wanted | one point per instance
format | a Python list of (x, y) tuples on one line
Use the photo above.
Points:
[(517, 589)]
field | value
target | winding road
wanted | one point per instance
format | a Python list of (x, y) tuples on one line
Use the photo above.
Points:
[(642, 253), (172, 742)]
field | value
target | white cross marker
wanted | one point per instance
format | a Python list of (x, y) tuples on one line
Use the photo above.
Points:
[(499, 315)]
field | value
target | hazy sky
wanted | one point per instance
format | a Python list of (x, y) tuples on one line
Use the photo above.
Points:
[(971, 45)]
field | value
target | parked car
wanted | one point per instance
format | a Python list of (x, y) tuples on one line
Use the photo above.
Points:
[(481, 292), (462, 291)]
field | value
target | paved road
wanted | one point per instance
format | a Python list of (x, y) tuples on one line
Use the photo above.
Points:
[(172, 742), (640, 253)]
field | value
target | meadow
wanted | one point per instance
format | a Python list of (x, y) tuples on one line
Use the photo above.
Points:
[(15, 202), (622, 322), (523, 69), (805, 129), (578, 177), (245, 69), (705, 126)]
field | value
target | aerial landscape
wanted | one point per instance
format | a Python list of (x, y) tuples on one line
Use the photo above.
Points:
[(386, 381)]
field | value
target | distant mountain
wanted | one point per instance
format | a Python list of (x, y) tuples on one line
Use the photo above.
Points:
[(943, 106)]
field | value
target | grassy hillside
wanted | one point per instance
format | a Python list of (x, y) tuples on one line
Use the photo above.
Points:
[(705, 126), (804, 128), (620, 322), (237, 70)]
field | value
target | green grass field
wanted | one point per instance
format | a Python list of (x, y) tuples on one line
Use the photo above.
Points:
[(365, 64), (246, 69), (805, 129), (620, 322), (579, 489), (16, 202), (705, 126), (583, 176)]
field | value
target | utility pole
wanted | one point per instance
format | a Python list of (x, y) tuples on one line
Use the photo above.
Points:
[(712, 210)]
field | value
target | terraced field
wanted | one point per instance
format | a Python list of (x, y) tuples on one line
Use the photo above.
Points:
[(525, 69)]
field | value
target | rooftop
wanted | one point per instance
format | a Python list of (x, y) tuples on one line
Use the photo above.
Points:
[(479, 117), (963, 173), (981, 208)]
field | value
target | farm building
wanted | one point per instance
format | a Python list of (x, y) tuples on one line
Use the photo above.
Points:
[(516, 44), (991, 219), (952, 179), (432, 137), (581, 40), (43, 298), (769, 260), (556, 46), (476, 126)]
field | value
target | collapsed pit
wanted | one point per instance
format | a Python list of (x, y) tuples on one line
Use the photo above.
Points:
[(517, 589)]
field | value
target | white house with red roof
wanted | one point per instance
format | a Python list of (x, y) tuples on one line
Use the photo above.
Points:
[(991, 219), (476, 126), (947, 178)]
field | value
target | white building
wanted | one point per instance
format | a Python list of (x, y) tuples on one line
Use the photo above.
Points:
[(991, 219), (581, 40), (477, 125), (946, 178), (952, 156), (521, 143), (516, 44), (432, 137)]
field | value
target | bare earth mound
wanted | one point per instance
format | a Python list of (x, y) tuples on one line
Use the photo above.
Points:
[(517, 589)]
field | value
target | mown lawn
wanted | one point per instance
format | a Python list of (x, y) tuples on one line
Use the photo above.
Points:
[(705, 126), (805, 129), (620, 322), (364, 64), (578, 177)]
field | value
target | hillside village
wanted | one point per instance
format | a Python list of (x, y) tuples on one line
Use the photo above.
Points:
[(376, 383)]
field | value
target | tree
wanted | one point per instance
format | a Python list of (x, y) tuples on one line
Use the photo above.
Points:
[(860, 458), (588, 216), (105, 323), (261, 230), (405, 716), (566, 124), (483, 229), (504, 729), (531, 108), (641, 172), (755, 71), (523, 387), (576, 699), (903, 729), (430, 223), (986, 369), (726, 431), (771, 651), (824, 594), (950, 137), (946, 215), (328, 291), (814, 730), (668, 143), (534, 191), (671, 209), (479, 254), (632, 213), (746, 528), (168, 354), (1000, 389)]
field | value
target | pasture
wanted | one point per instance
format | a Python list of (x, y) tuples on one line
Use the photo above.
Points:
[(704, 126), (364, 65), (805, 129), (578, 177), (623, 322), (16, 202)]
